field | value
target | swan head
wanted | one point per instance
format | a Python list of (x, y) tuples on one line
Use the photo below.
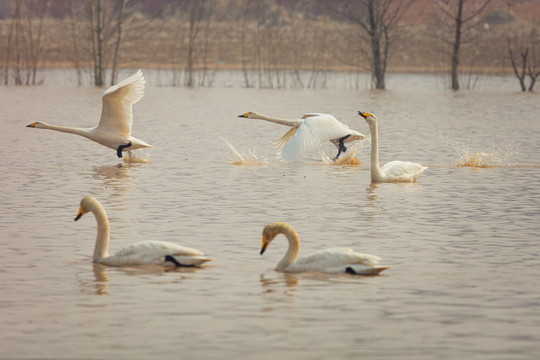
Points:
[(270, 231), (370, 118), (250, 115), (38, 125), (87, 204)]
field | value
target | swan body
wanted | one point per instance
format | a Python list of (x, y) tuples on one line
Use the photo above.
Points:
[(114, 128), (308, 133), (161, 253), (394, 171), (330, 261)]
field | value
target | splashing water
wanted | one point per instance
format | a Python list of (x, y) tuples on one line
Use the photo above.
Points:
[(494, 158), (480, 160), (244, 159), (138, 156), (350, 160)]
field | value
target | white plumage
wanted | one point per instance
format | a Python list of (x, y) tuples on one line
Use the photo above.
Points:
[(309, 133), (151, 252), (331, 261), (114, 128), (394, 171)]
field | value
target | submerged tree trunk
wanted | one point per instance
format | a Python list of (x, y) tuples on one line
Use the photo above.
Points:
[(378, 73), (520, 74), (460, 15), (118, 40), (96, 20), (457, 45), (377, 21)]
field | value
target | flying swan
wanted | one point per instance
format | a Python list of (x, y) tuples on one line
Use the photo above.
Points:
[(161, 253), (330, 261), (114, 128), (308, 133), (394, 171)]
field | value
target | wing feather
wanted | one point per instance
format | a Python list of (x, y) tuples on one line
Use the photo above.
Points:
[(311, 134), (150, 252), (285, 139), (117, 101)]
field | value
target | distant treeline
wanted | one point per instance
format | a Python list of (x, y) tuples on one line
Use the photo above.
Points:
[(270, 41)]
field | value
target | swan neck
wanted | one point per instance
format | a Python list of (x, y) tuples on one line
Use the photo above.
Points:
[(65, 129), (376, 172), (102, 241), (288, 122), (294, 248)]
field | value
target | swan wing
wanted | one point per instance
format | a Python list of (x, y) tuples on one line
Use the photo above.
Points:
[(117, 101), (305, 116), (285, 139), (332, 261), (314, 131), (150, 252), (403, 170)]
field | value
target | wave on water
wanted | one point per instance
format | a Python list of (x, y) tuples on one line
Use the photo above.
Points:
[(251, 158)]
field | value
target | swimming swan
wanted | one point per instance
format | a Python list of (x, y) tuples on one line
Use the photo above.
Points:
[(330, 261), (394, 171), (162, 253), (308, 133), (114, 128)]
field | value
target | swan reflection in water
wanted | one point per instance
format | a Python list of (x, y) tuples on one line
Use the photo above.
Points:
[(117, 177), (102, 278)]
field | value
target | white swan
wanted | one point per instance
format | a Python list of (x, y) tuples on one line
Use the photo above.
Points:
[(308, 133), (394, 171), (162, 253), (331, 261), (114, 128)]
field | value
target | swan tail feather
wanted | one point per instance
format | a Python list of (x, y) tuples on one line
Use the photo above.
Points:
[(358, 269), (186, 261)]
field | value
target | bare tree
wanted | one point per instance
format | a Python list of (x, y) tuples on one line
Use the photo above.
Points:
[(74, 39), (244, 10), (519, 70), (99, 29), (460, 12), (96, 33), (120, 21), (24, 42), (524, 54), (377, 21)]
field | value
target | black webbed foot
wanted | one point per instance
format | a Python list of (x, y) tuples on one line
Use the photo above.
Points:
[(121, 148), (341, 147)]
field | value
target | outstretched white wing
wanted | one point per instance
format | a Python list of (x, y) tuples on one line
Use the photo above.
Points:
[(116, 113), (311, 134)]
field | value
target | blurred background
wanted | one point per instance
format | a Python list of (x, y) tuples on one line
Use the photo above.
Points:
[(270, 43)]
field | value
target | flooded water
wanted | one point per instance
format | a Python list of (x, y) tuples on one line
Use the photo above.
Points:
[(462, 242)]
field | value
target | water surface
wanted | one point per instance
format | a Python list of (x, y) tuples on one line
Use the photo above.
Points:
[(462, 241)]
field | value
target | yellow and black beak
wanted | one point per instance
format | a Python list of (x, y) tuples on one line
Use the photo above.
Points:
[(31, 125), (80, 214), (264, 245), (364, 115), (244, 115)]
